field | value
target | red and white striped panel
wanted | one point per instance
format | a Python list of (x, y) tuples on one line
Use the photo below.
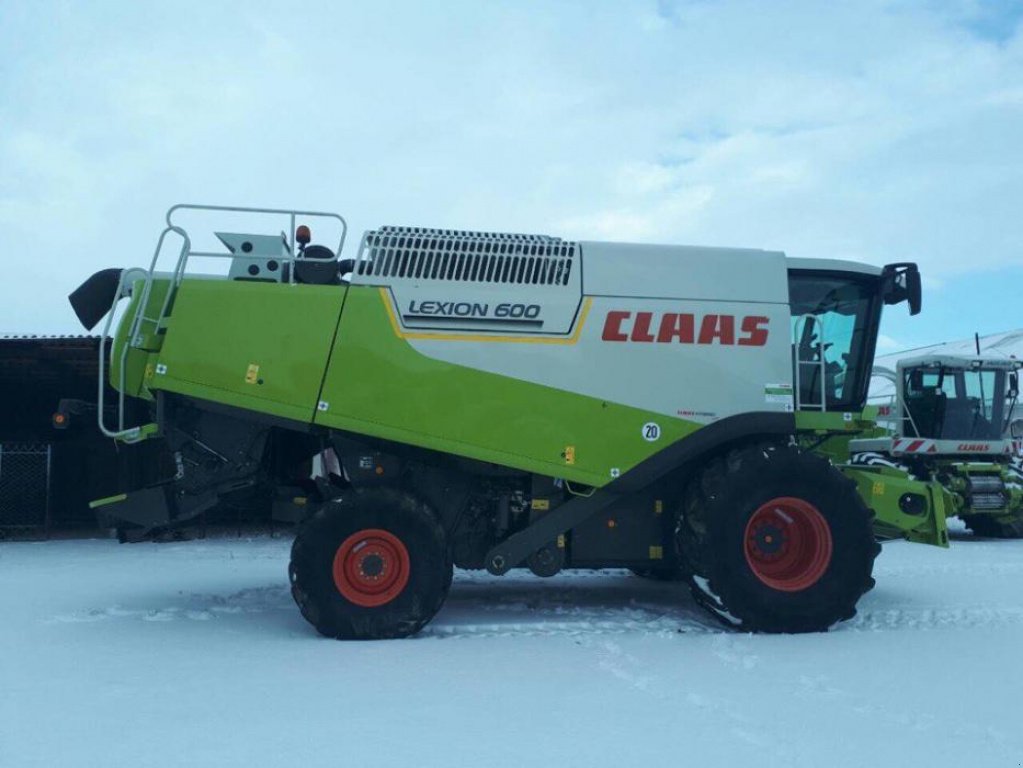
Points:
[(913, 445)]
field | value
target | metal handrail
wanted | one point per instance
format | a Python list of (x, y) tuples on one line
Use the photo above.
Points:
[(799, 362), (896, 400), (134, 338), (120, 433), (274, 211)]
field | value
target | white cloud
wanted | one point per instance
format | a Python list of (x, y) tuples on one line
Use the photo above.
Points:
[(871, 131)]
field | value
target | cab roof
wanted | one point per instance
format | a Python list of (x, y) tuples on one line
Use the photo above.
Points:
[(962, 362)]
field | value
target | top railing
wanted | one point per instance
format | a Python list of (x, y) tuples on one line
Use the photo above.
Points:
[(291, 214)]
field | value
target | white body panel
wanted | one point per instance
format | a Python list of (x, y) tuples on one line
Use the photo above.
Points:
[(685, 272), (694, 381), (912, 446), (688, 332), (536, 309)]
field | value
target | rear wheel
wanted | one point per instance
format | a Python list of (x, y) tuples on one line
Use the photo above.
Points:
[(776, 540), (372, 565), (994, 527)]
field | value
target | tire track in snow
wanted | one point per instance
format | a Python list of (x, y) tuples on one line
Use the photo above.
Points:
[(545, 628), (194, 607), (482, 607), (928, 619), (637, 674)]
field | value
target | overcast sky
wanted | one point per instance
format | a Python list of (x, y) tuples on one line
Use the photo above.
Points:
[(877, 131)]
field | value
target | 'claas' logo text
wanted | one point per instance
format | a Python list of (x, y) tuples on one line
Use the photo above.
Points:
[(685, 328)]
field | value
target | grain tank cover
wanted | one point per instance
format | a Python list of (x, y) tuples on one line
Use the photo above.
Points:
[(687, 272)]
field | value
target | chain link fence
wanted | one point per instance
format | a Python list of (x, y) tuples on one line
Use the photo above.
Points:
[(25, 470)]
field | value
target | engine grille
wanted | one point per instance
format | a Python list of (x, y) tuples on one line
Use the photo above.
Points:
[(422, 253)]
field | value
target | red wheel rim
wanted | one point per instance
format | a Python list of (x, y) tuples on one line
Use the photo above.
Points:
[(788, 544), (371, 567)]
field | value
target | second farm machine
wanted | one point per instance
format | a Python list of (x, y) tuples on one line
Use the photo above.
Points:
[(952, 419)]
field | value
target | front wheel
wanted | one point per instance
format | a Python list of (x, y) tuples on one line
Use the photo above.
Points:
[(372, 565), (776, 540)]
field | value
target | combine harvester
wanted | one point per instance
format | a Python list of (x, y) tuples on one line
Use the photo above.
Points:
[(951, 419), (500, 401)]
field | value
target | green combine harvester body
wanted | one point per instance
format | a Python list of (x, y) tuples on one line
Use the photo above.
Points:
[(494, 401)]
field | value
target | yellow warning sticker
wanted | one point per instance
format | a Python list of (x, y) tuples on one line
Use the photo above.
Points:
[(878, 489), (541, 505), (569, 454), (656, 552), (252, 374)]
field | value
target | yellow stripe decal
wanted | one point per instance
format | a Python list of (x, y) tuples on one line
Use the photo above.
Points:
[(525, 339)]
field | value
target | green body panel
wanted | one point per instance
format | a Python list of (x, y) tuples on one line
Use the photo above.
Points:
[(258, 346), (881, 488), (379, 385), (829, 433)]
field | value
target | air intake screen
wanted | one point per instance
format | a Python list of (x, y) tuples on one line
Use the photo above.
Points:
[(454, 255)]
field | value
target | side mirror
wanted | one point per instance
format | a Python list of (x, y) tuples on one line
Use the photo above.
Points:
[(1013, 385), (902, 283), (915, 290), (916, 380)]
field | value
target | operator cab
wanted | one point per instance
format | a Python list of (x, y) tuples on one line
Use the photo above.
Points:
[(836, 313), (950, 398)]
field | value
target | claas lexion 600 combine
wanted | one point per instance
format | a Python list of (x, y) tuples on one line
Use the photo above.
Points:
[(501, 400)]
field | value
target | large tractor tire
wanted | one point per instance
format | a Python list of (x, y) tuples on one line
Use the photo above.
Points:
[(776, 540), (993, 527), (372, 565)]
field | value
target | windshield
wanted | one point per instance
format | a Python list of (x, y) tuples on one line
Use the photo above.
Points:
[(950, 404), (834, 330)]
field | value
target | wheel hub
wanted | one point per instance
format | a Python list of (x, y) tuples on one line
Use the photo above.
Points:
[(769, 540), (371, 567), (788, 544)]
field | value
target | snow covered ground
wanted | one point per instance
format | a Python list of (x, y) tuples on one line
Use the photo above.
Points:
[(193, 654)]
